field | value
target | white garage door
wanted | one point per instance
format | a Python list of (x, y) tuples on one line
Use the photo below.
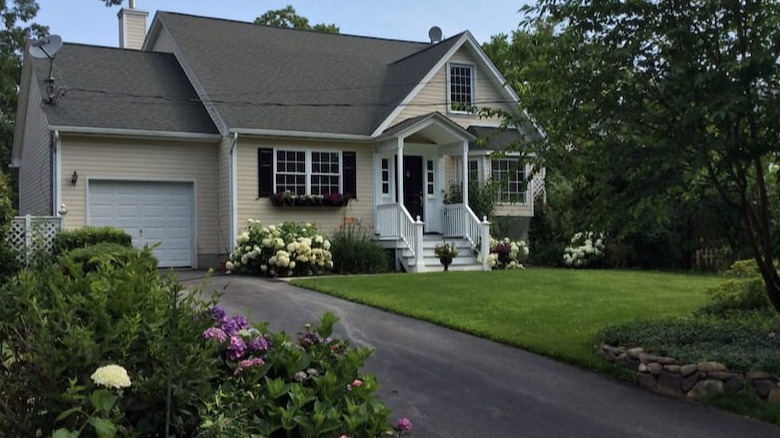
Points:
[(150, 212)]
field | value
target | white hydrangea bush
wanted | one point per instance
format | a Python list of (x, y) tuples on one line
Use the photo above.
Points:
[(506, 254), (283, 250), (586, 250)]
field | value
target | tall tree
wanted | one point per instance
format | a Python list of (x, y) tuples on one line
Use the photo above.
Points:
[(287, 17), (657, 90)]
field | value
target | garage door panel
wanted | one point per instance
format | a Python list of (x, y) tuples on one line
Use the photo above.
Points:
[(151, 212)]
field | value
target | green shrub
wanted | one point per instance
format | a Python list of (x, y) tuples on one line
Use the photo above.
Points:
[(86, 236), (93, 256), (354, 252), (744, 289), (60, 324), (276, 386), (8, 263)]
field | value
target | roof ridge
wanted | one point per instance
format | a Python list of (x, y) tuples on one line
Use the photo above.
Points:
[(121, 49), (429, 47), (319, 32)]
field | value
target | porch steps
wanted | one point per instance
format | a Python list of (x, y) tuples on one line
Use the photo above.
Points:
[(465, 261)]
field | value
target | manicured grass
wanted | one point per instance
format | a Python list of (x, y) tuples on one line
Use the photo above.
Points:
[(549, 311)]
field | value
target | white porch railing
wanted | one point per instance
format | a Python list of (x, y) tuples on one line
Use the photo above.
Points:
[(29, 234), (460, 220), (394, 221)]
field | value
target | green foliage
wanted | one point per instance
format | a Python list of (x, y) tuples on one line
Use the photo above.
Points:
[(8, 262), (63, 322), (742, 341), (482, 197), (310, 386), (287, 17), (742, 290), (91, 258), (86, 236), (355, 252)]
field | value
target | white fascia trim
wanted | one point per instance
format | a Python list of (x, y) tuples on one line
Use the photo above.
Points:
[(136, 133), (151, 34), (233, 193), (386, 123), (57, 175), (493, 70), (441, 121), (301, 134), (22, 101)]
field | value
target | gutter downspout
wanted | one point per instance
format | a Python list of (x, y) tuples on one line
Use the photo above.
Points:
[(233, 192), (56, 171)]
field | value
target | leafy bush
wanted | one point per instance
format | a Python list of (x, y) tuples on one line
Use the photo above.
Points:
[(86, 236), (482, 197), (586, 250), (93, 256), (354, 252), (506, 254), (60, 324), (278, 387), (8, 262), (742, 341), (743, 289), (284, 250)]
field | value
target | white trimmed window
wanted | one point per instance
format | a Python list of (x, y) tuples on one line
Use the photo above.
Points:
[(325, 173), (461, 87), (307, 172), (473, 170), (511, 174), (385, 176)]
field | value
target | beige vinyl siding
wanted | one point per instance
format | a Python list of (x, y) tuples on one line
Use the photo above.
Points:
[(514, 210), (163, 42), (132, 28), (433, 96), (35, 188), (144, 160), (223, 194), (326, 219)]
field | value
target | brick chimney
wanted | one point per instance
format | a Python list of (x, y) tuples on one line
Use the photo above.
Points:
[(132, 27)]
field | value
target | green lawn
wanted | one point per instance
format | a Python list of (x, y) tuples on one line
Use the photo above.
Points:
[(554, 312)]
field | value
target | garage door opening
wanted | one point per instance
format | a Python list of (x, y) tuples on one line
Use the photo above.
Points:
[(150, 212)]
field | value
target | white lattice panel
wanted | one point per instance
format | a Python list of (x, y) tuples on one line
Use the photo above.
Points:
[(32, 234)]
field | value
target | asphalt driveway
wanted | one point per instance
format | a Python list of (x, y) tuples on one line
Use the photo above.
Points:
[(454, 385)]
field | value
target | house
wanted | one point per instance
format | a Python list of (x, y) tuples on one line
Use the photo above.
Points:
[(184, 133)]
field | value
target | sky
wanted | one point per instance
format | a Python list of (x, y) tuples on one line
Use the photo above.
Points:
[(91, 22)]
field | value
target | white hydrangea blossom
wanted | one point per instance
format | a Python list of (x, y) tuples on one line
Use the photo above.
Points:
[(111, 376), (586, 248)]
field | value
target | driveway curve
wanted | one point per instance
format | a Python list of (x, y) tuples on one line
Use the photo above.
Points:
[(454, 385)]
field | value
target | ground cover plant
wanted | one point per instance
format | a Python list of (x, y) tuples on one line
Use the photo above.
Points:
[(552, 312)]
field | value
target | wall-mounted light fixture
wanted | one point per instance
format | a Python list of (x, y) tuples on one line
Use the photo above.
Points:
[(74, 178)]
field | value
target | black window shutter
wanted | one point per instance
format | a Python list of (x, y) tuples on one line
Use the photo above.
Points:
[(265, 171), (350, 175)]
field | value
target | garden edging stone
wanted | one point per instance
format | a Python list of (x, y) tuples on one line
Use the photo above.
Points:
[(665, 375)]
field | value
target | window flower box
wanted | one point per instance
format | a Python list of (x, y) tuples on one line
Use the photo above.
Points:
[(288, 199)]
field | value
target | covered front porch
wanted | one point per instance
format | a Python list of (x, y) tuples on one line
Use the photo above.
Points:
[(417, 161)]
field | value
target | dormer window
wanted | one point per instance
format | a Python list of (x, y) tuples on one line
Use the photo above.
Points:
[(461, 88)]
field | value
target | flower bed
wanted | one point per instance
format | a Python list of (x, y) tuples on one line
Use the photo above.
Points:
[(283, 250)]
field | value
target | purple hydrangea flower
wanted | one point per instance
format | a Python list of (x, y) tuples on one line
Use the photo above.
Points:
[(217, 313), (259, 343), (403, 424), (237, 348), (235, 324), (215, 333)]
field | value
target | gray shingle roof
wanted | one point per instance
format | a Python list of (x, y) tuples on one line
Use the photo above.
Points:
[(262, 77), (498, 139), (123, 89)]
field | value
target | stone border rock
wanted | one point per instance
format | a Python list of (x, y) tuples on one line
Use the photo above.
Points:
[(665, 375)]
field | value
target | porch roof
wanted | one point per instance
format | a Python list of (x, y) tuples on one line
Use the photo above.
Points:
[(434, 126)]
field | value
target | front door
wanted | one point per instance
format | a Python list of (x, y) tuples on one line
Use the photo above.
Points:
[(413, 186)]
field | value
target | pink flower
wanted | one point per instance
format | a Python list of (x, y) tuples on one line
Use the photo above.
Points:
[(344, 436), (357, 383), (403, 424), (248, 363), (215, 333)]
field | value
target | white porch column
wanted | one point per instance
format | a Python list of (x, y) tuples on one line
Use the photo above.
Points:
[(465, 165), (399, 168)]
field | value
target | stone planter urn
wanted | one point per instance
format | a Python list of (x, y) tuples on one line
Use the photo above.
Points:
[(446, 261)]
